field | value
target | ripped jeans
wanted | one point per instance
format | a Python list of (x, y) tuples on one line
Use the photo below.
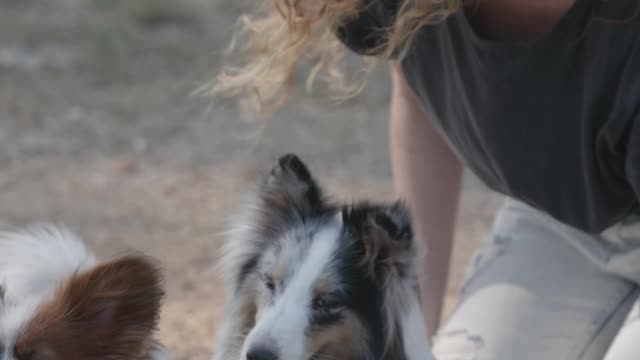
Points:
[(545, 291)]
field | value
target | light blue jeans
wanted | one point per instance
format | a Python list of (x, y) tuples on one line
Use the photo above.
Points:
[(541, 290)]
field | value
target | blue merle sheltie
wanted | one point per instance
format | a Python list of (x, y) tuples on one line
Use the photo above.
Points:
[(309, 279)]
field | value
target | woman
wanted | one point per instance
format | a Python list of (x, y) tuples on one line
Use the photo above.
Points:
[(540, 100)]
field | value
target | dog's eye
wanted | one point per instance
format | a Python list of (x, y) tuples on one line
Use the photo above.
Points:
[(269, 283), (326, 303)]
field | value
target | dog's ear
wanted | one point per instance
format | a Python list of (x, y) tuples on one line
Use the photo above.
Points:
[(109, 312), (387, 238), (291, 168), (289, 189), (2, 292)]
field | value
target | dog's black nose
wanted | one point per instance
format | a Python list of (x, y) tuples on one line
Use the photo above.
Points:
[(261, 353)]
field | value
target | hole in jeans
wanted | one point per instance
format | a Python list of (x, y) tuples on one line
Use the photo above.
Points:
[(457, 345), (483, 257), (634, 314)]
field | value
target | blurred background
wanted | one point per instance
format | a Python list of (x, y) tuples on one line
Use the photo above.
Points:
[(100, 130)]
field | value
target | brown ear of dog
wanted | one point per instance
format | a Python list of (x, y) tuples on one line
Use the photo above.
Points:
[(108, 312), (387, 236)]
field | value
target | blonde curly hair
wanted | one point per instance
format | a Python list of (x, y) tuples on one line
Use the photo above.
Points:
[(271, 43)]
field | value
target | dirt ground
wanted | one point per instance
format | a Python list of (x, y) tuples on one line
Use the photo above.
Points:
[(99, 130)]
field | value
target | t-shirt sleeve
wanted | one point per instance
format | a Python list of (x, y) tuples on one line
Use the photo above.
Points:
[(632, 162), (366, 32), (633, 157)]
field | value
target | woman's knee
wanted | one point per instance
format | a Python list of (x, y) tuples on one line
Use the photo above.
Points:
[(530, 295)]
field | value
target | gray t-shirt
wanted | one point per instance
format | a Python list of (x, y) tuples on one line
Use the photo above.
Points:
[(553, 122)]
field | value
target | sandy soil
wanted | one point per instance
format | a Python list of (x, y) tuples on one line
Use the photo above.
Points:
[(99, 131)]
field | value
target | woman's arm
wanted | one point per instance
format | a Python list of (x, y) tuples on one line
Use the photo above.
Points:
[(427, 176)]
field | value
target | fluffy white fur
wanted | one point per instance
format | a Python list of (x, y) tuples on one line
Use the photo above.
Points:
[(35, 260)]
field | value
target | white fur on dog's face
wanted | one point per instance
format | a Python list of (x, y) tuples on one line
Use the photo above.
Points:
[(283, 319), (13, 318)]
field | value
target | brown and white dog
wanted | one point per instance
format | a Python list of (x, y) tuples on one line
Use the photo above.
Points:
[(57, 302), (308, 279)]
